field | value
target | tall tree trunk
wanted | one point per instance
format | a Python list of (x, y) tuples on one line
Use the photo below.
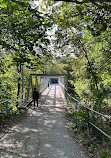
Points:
[(91, 69), (18, 92)]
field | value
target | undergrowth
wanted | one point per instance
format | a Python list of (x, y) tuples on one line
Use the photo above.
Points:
[(95, 144)]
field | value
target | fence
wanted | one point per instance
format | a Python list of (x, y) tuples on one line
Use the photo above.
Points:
[(64, 91), (88, 116), (12, 105), (43, 86)]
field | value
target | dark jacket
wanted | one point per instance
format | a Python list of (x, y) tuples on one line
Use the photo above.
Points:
[(35, 95)]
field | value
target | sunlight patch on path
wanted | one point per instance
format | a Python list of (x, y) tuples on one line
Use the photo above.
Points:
[(43, 134)]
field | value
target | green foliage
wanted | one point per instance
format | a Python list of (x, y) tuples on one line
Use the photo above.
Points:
[(55, 68), (83, 34), (25, 29), (9, 76), (105, 154), (85, 30), (24, 43)]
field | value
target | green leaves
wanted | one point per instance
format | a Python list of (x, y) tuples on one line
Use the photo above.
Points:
[(85, 32), (3, 5), (24, 27)]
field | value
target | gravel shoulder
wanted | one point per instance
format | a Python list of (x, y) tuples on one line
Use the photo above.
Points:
[(40, 132)]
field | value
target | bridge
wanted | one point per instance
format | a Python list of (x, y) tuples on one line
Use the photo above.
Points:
[(40, 81), (44, 132)]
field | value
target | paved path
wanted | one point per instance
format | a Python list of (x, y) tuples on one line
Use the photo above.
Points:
[(42, 134)]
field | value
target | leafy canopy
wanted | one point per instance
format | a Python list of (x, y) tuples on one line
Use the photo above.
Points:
[(23, 29)]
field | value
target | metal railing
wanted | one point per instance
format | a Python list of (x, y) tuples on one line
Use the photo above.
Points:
[(12, 105), (90, 116), (64, 90), (43, 86)]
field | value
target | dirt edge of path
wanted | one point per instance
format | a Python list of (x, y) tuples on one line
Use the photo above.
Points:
[(8, 122)]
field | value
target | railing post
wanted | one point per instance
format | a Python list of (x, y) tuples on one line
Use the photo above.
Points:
[(27, 94), (66, 82), (88, 117), (76, 115)]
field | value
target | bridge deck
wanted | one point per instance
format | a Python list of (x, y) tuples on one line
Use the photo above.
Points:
[(42, 134)]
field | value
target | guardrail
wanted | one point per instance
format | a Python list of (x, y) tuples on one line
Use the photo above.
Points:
[(43, 86), (12, 105), (90, 116), (64, 90)]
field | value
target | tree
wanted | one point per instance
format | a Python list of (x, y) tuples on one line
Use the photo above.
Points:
[(24, 32), (95, 13), (55, 67), (91, 47)]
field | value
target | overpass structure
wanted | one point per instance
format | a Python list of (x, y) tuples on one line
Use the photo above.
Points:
[(41, 81)]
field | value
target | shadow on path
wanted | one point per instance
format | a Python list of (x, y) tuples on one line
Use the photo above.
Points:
[(43, 134)]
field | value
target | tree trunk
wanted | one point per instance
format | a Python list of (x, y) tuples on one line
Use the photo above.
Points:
[(18, 92), (91, 69)]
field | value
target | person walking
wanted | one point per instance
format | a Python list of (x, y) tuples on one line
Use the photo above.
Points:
[(48, 84), (35, 96)]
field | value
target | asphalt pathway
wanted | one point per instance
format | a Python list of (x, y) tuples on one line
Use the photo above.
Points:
[(43, 133)]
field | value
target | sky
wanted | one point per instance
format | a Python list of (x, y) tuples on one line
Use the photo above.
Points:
[(38, 3)]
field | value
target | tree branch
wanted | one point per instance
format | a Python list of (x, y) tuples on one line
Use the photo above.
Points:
[(74, 1), (84, 1)]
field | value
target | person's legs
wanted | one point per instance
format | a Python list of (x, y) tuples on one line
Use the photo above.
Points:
[(34, 102), (37, 102)]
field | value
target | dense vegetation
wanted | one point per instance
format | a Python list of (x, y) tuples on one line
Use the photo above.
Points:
[(83, 36), (58, 37), (85, 31), (24, 45), (83, 41)]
